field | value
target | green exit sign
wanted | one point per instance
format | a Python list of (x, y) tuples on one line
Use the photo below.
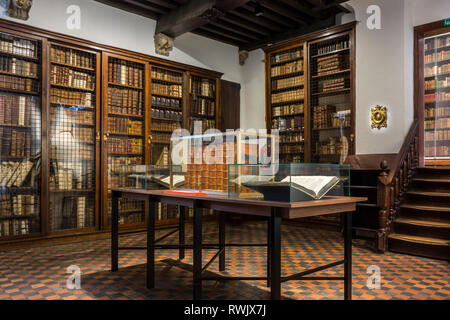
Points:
[(447, 22)]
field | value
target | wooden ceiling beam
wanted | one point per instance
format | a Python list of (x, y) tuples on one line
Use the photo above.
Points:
[(302, 7), (244, 24), (271, 16), (148, 6), (278, 37), (230, 27), (328, 4), (169, 4), (286, 12), (129, 8), (225, 33), (216, 37), (262, 22)]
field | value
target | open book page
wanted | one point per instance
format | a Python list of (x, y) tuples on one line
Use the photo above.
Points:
[(317, 186), (255, 178)]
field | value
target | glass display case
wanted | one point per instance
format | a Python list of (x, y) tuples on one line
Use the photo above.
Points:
[(150, 177), (204, 158), (288, 182)]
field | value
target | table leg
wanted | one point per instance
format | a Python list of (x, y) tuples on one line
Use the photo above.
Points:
[(181, 231), (151, 243), (269, 241), (197, 251), (348, 255), (222, 239), (115, 233), (275, 255)]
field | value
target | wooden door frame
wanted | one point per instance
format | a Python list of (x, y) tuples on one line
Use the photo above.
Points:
[(420, 33)]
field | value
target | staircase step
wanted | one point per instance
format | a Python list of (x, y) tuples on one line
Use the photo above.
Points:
[(423, 212), (422, 228), (432, 180), (429, 194), (421, 246)]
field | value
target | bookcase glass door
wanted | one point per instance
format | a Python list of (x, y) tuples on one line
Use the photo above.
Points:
[(202, 103), (437, 97), (167, 102), (125, 130), (330, 99), (287, 98), (72, 138), (20, 135)]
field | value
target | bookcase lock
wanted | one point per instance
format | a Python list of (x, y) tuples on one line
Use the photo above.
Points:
[(98, 136), (105, 137), (150, 138)]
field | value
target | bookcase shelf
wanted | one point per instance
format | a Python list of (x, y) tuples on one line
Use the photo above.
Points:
[(436, 77), (74, 81), (20, 139)]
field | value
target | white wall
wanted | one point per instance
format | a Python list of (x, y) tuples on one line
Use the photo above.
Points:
[(106, 25)]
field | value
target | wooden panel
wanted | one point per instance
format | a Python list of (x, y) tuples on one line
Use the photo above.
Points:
[(230, 105)]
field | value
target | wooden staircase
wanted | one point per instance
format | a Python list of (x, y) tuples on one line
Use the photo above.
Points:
[(422, 226)]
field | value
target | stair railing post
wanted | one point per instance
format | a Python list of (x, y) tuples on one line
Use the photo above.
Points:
[(383, 202)]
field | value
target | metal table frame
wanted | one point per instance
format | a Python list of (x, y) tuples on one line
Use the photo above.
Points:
[(273, 245)]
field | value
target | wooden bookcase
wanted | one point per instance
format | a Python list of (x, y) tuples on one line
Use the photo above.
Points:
[(167, 115), (125, 129), (310, 96), (73, 130), (287, 101), (76, 139), (203, 101), (331, 98), (21, 161), (437, 99)]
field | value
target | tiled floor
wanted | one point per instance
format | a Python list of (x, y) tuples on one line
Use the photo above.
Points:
[(40, 273)]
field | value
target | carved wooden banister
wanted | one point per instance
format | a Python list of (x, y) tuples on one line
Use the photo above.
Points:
[(394, 182)]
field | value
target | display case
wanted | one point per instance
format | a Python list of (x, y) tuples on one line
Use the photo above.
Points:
[(288, 182), (204, 158)]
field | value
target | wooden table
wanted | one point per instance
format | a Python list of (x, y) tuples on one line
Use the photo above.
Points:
[(274, 211)]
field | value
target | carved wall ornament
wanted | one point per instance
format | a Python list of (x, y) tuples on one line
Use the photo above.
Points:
[(163, 44), (243, 55), (20, 9), (379, 117)]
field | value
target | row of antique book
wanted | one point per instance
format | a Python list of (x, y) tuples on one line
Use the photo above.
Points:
[(286, 56), (437, 151), (329, 147), (165, 126), (72, 176), (173, 90), (114, 163), (14, 173), (166, 102), (125, 126), (437, 112), (437, 70), (288, 82), (71, 98), (330, 64), (204, 87), (167, 114), (436, 57), (77, 134), (122, 72), (14, 45), (125, 101), (292, 137), (293, 109), (438, 135), (437, 83), (202, 124), (19, 67), (18, 84), (203, 107), (166, 75), (64, 115), (332, 84), (340, 45), (287, 69), (71, 212), (72, 57), (16, 110), (71, 78), (18, 205), (14, 143), (437, 123), (287, 96), (14, 227), (291, 123), (437, 97), (125, 146), (436, 43)]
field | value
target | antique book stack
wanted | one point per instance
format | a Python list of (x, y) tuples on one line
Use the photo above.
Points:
[(202, 93), (322, 116)]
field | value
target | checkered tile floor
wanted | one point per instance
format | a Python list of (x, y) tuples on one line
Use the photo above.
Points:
[(40, 273)]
